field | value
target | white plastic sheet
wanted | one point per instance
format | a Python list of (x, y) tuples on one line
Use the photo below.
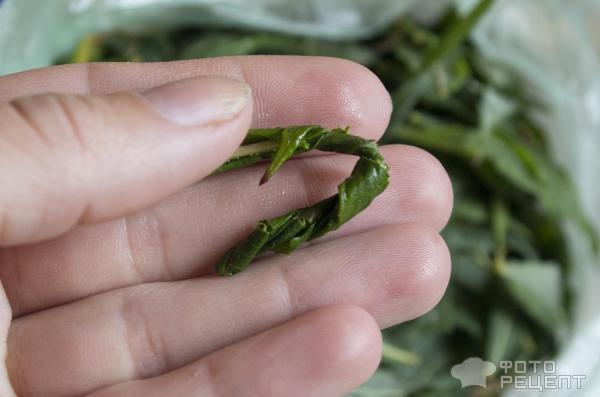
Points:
[(555, 46), (34, 32)]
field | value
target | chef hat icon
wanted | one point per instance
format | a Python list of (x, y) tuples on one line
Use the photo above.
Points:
[(472, 372)]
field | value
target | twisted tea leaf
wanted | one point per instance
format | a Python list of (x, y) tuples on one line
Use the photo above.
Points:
[(285, 233)]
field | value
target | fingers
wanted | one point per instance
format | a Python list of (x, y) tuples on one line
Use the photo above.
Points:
[(327, 91), (396, 273), (184, 236), (327, 352), (287, 90), (5, 320), (77, 159)]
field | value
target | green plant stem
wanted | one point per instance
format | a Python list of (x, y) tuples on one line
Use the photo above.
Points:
[(406, 98), (394, 354)]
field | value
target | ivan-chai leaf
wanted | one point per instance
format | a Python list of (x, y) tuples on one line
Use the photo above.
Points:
[(285, 233)]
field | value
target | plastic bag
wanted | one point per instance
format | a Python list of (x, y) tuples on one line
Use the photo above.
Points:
[(48, 29), (553, 44)]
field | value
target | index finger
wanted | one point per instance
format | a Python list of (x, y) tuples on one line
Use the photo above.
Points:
[(287, 90)]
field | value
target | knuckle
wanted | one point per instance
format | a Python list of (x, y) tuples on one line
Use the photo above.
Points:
[(147, 243), (69, 109), (29, 121), (286, 288), (212, 385), (59, 121), (33, 150)]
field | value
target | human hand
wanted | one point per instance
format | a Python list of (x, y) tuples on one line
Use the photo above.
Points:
[(106, 257)]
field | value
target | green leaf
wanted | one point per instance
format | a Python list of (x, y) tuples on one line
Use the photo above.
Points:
[(384, 383), (537, 288), (410, 93), (501, 339), (396, 355), (494, 109), (500, 225), (285, 233)]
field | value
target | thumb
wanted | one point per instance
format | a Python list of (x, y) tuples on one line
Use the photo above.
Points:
[(66, 159)]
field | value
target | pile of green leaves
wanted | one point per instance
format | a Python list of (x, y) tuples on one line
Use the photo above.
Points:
[(508, 298)]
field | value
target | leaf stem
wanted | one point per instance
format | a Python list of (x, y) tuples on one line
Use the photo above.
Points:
[(254, 149), (400, 356)]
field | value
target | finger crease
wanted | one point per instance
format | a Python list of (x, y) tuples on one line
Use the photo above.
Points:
[(25, 116), (72, 123), (169, 271), (291, 302), (132, 256), (146, 347), (211, 386), (15, 293)]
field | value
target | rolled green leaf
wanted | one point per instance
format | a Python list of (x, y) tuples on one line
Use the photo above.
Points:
[(285, 233)]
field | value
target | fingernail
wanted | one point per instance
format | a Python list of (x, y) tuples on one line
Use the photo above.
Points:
[(199, 100)]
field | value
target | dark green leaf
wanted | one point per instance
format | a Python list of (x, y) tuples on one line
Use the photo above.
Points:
[(285, 233)]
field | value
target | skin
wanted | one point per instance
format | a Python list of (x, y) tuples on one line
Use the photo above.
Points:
[(107, 245)]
